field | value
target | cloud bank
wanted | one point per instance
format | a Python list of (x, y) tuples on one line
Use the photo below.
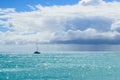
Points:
[(88, 22)]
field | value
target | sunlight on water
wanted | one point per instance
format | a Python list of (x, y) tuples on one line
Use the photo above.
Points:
[(75, 66)]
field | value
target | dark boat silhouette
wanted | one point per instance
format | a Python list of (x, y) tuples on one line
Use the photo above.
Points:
[(37, 52)]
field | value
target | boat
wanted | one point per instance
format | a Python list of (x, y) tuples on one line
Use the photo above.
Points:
[(37, 52)]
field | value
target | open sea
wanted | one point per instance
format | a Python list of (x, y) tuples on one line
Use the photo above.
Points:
[(60, 66)]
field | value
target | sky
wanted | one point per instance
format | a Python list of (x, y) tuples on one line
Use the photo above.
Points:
[(24, 22)]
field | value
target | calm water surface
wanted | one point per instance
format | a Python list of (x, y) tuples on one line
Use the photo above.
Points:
[(73, 66)]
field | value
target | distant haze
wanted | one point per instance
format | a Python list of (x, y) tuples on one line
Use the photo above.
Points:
[(44, 48)]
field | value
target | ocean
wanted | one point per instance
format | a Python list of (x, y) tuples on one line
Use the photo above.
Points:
[(60, 66)]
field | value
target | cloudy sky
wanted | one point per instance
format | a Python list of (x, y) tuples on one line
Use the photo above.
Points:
[(59, 22)]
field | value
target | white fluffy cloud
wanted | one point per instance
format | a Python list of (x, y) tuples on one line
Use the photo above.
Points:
[(7, 11), (89, 19), (91, 2)]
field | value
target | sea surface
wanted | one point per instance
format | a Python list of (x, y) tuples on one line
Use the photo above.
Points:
[(60, 66)]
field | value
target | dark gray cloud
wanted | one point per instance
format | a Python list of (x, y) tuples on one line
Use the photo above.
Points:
[(99, 23)]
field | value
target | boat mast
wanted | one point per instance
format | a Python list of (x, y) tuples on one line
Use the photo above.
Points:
[(36, 47)]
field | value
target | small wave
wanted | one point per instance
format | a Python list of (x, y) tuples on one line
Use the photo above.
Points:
[(13, 69)]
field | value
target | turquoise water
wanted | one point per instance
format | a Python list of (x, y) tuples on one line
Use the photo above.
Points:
[(73, 66)]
